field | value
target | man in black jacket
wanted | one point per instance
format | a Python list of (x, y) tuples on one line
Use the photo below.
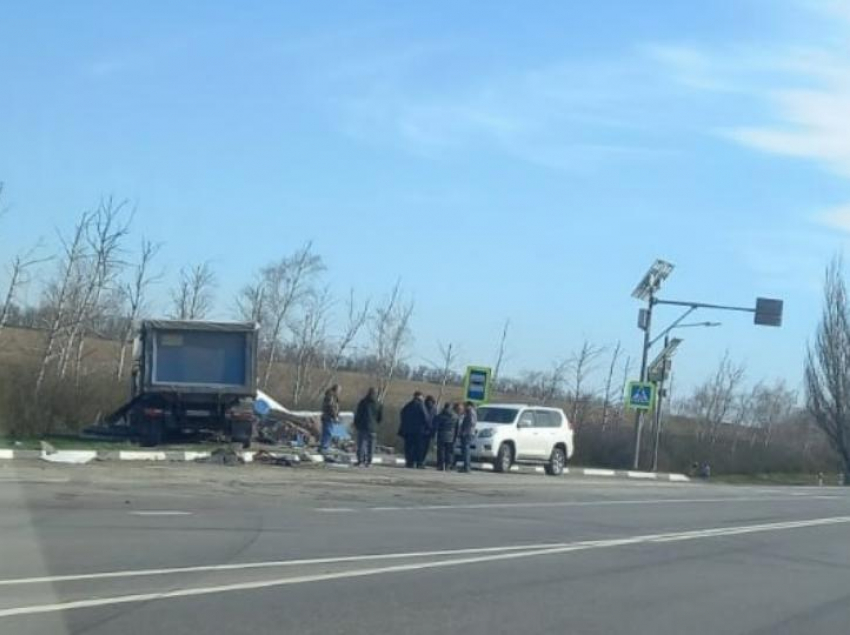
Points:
[(413, 424), (367, 417), (428, 431)]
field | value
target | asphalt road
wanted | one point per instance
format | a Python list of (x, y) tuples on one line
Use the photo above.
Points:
[(116, 549)]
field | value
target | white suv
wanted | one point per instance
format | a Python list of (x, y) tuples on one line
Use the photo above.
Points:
[(508, 433)]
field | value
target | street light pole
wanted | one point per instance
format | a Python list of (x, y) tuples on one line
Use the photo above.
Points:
[(658, 406), (647, 335), (646, 290)]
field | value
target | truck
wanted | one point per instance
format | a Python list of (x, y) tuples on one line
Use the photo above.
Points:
[(190, 376)]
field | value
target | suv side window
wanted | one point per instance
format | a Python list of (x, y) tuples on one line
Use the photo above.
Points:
[(526, 419), (541, 418), (547, 419)]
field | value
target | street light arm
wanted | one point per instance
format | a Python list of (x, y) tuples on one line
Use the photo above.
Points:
[(675, 323), (703, 305)]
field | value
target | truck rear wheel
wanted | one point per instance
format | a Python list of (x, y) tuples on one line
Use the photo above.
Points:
[(151, 433), (242, 432)]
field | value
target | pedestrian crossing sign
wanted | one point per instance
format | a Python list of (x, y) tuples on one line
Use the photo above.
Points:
[(640, 395)]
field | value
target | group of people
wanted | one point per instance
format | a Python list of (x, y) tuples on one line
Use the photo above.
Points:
[(423, 423)]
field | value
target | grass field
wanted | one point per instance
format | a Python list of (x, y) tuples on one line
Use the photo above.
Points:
[(73, 403)]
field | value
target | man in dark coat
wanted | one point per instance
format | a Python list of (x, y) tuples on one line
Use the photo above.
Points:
[(445, 425), (367, 417), (428, 432), (413, 423)]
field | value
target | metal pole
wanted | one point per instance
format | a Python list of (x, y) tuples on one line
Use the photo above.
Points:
[(643, 363), (658, 407)]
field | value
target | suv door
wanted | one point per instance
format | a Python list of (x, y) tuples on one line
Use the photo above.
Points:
[(525, 435), (546, 425)]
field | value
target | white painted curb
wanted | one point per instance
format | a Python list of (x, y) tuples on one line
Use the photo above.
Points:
[(130, 455), (85, 456)]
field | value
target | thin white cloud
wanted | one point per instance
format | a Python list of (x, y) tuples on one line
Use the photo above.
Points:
[(811, 124), (836, 218), (802, 90), (561, 116)]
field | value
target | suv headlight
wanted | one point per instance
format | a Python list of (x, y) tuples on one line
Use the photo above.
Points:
[(485, 434)]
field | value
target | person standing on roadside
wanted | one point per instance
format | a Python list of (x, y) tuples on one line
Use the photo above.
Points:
[(445, 425), (330, 416), (457, 409), (367, 417), (411, 428), (467, 432), (428, 431)]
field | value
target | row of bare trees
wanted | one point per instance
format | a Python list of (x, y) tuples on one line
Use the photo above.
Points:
[(96, 286), (725, 399)]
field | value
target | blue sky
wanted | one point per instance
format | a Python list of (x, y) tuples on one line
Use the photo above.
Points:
[(504, 160)]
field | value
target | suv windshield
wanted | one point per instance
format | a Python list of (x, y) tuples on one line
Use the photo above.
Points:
[(497, 415)]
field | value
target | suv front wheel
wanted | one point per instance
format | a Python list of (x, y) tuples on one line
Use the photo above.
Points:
[(504, 458), (557, 460)]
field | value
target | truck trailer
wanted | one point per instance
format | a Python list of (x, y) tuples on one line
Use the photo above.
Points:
[(190, 376)]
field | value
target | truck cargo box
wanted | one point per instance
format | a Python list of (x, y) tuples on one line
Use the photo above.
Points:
[(198, 357)]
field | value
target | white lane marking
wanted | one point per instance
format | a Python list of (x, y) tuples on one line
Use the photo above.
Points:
[(678, 478), (26, 480), (160, 512), (590, 471), (599, 503), (359, 573), (7, 454)]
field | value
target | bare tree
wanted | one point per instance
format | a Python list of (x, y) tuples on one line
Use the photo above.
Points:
[(309, 342), (448, 357), (59, 294), (621, 402), (500, 352), (549, 385), (251, 301), (609, 391), (742, 412), (192, 299), (390, 327), (18, 279), (356, 317), (285, 284), (134, 295), (712, 402), (93, 278), (583, 364), (827, 368), (770, 405)]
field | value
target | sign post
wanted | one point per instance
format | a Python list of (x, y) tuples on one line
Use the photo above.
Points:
[(476, 384)]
